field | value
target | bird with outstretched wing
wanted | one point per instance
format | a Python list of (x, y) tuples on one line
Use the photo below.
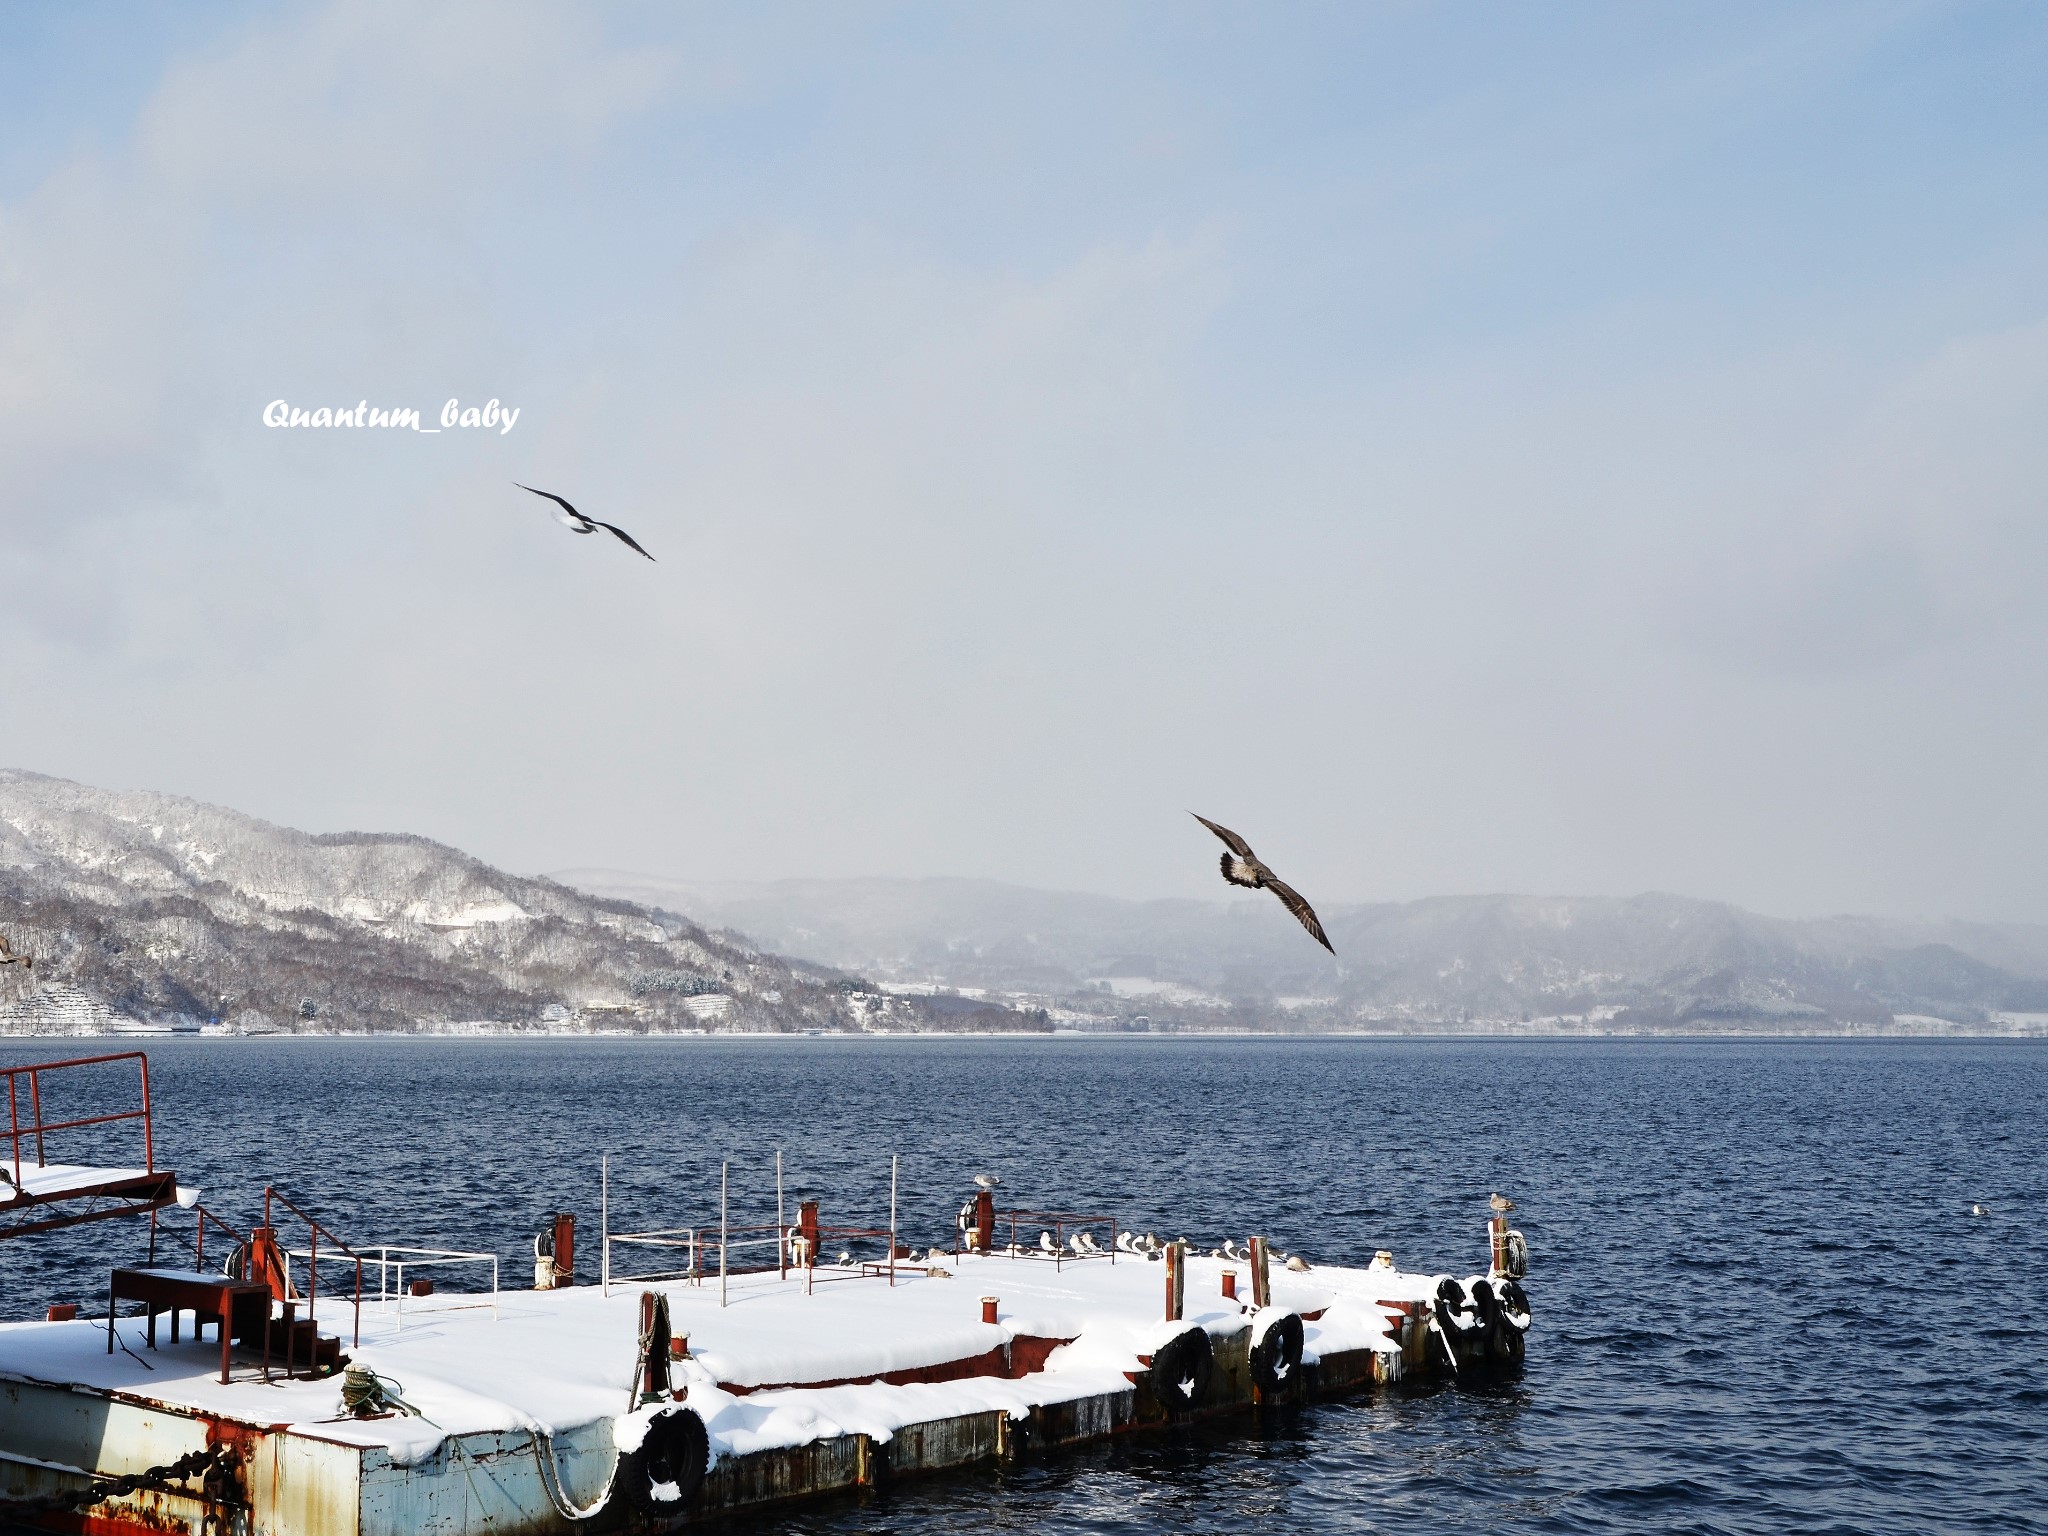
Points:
[(1243, 867), (577, 522), (9, 957)]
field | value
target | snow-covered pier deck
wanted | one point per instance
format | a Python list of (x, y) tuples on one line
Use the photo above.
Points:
[(540, 1414)]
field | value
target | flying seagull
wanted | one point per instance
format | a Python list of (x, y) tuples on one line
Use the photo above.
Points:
[(9, 957), (576, 522), (1242, 867)]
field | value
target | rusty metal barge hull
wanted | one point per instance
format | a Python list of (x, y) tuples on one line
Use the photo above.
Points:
[(285, 1481)]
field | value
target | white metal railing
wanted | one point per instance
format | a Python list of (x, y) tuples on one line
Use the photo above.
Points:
[(392, 1261)]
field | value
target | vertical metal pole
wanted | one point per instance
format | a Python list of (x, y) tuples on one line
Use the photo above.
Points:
[(148, 1143), (724, 1227), (1175, 1257), (35, 1107), (14, 1126), (781, 1232), (892, 1218), (604, 1217)]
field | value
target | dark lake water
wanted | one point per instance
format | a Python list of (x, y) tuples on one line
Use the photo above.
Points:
[(1761, 1303)]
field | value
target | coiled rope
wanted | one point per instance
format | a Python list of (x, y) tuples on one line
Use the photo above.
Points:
[(364, 1394)]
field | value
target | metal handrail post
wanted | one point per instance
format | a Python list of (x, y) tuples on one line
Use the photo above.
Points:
[(148, 1140), (14, 1130), (35, 1104), (724, 1171)]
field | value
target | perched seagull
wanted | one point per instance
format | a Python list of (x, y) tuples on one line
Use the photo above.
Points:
[(1126, 1243), (9, 957), (576, 522), (1242, 867), (987, 1180), (1500, 1204), (1045, 1241), (1079, 1247), (1298, 1264), (1088, 1243)]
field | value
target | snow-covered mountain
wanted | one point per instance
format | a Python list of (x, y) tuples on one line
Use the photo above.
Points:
[(164, 907), (1652, 961)]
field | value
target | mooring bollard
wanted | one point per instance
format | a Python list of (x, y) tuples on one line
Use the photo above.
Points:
[(1230, 1285), (1176, 1280), (984, 1220), (1262, 1279), (988, 1309)]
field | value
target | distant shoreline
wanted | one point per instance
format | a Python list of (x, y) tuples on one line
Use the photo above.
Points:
[(141, 1038)]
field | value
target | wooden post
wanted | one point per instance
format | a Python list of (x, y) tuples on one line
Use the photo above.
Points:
[(1497, 1235), (1176, 1280), (1262, 1279)]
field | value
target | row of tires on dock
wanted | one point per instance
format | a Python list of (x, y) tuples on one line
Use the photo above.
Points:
[(1473, 1327), (1478, 1323)]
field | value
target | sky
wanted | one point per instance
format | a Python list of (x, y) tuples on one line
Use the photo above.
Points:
[(1572, 449)]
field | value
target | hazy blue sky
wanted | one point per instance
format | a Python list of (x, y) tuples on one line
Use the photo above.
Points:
[(1575, 449)]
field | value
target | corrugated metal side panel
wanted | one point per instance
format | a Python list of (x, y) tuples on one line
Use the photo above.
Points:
[(762, 1476), (93, 1431), (490, 1486), (304, 1487), (1085, 1418), (1231, 1387), (939, 1443)]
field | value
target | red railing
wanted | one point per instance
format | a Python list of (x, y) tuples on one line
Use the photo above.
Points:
[(38, 1127), (313, 1262), (1058, 1224)]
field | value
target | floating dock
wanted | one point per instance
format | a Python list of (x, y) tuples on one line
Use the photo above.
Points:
[(344, 1393), (531, 1411)]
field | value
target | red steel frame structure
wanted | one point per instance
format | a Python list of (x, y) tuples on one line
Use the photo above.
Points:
[(132, 1193)]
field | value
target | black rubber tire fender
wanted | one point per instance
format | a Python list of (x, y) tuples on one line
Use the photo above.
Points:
[(1485, 1303), (1515, 1300), (1277, 1356), (1182, 1369), (675, 1453), (1453, 1310)]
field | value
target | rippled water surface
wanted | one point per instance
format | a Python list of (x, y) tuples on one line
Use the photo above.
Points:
[(1761, 1303)]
